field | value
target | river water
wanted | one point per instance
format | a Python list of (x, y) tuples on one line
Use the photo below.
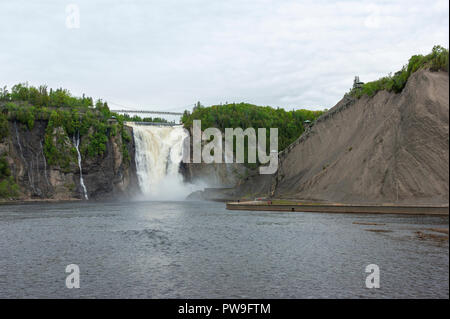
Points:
[(201, 250)]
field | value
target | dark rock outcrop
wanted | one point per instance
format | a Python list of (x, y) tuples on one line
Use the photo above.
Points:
[(106, 176)]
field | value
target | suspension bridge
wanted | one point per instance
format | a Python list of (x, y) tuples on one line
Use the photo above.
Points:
[(172, 115), (137, 110), (147, 112)]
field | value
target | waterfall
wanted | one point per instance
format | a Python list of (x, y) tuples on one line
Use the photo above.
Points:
[(45, 163), (159, 151), (76, 142)]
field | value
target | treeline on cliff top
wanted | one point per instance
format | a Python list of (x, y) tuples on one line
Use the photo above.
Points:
[(74, 115), (26, 104), (437, 60), (290, 124), (29, 99)]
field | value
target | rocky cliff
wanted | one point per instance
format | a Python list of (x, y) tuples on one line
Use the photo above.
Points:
[(215, 175), (105, 176), (389, 148)]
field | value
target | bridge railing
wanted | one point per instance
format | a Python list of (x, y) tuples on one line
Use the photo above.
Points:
[(148, 112), (151, 123)]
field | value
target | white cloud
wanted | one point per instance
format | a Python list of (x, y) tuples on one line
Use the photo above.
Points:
[(169, 54)]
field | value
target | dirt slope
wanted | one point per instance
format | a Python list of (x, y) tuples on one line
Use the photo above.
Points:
[(391, 148)]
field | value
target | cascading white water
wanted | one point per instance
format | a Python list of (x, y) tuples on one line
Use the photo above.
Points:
[(159, 151), (76, 142)]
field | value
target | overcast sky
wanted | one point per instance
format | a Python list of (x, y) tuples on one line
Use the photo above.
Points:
[(168, 54)]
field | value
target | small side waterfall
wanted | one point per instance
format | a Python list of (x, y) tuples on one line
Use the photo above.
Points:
[(45, 163), (76, 142), (159, 151)]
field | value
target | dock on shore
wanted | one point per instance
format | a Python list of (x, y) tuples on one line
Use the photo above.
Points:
[(339, 208)]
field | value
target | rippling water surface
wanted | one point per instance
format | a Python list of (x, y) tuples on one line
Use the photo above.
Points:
[(201, 250)]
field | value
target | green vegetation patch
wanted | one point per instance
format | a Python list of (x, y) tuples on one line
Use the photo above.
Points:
[(136, 118), (4, 126), (289, 123), (8, 187), (68, 117), (435, 61)]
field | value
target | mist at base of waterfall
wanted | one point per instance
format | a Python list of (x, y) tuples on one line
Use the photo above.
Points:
[(171, 188)]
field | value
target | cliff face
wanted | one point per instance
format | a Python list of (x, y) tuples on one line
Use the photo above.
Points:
[(212, 175), (105, 176), (390, 148)]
